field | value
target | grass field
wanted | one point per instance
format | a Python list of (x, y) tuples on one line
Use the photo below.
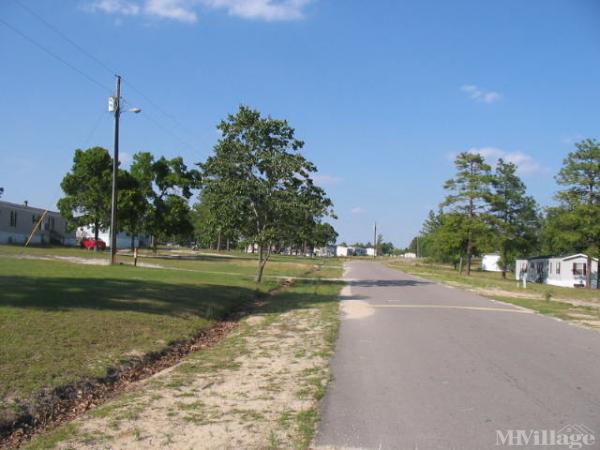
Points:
[(581, 306), (491, 280), (258, 388), (63, 321), (232, 263)]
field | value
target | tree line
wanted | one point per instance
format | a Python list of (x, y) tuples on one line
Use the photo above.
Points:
[(489, 210), (255, 189)]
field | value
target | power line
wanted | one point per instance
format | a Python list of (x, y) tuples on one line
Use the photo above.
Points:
[(54, 55), (102, 64), (162, 127), (65, 37), (101, 116)]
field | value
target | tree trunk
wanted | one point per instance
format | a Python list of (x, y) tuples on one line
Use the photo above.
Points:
[(469, 253), (504, 264), (588, 273), (132, 242), (262, 260), (96, 236), (598, 273), (460, 265), (227, 244), (219, 241)]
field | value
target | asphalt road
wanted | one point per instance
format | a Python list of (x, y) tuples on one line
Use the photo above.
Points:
[(423, 366)]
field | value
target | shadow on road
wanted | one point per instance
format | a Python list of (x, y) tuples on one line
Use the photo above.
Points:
[(387, 283)]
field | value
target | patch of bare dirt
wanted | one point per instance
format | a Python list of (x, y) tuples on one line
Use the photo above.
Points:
[(527, 295), (353, 309), (249, 403), (62, 404)]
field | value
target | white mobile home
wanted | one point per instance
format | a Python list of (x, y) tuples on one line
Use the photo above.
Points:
[(342, 250), (566, 271), (17, 221), (489, 263), (327, 251), (123, 239), (359, 251)]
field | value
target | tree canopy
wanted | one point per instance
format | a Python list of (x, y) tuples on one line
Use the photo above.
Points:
[(469, 193), (260, 184), (87, 189), (575, 223)]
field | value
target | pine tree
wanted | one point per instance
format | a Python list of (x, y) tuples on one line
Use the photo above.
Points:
[(575, 224), (469, 195), (514, 215)]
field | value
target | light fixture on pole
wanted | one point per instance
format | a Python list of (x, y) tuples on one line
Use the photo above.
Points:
[(114, 106)]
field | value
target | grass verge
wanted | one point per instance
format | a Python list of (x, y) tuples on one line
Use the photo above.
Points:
[(257, 388), (62, 322), (580, 306)]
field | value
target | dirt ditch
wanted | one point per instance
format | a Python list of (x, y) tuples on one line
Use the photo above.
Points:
[(51, 408)]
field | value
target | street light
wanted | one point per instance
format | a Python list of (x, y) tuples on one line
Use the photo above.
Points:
[(114, 106)]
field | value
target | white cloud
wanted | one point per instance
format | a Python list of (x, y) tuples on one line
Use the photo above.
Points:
[(180, 10), (327, 180), (269, 10), (525, 163), (185, 10), (122, 7), (480, 95), (358, 210)]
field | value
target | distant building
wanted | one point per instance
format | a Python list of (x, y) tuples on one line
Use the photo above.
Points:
[(566, 271), (17, 221), (359, 251), (409, 255), (371, 251), (123, 239), (489, 263), (327, 251), (342, 251)]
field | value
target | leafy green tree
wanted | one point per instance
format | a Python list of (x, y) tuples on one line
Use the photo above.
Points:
[(304, 223), (469, 195), (166, 185), (514, 215), (257, 171), (444, 238), (575, 224), (87, 189), (386, 248), (205, 229), (324, 234), (212, 225), (132, 206)]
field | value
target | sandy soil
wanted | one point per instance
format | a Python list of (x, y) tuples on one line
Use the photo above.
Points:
[(248, 403), (524, 295)]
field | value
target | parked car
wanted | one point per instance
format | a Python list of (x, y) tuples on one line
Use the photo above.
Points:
[(91, 243)]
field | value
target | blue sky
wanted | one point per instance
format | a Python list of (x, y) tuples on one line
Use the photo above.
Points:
[(383, 92)]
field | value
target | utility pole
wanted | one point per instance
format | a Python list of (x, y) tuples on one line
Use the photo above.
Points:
[(375, 241), (417, 245), (115, 106)]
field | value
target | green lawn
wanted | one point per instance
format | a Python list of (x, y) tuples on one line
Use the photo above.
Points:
[(577, 305), (491, 280), (235, 263), (60, 321)]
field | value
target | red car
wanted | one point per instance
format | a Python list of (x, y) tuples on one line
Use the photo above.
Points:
[(91, 243)]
